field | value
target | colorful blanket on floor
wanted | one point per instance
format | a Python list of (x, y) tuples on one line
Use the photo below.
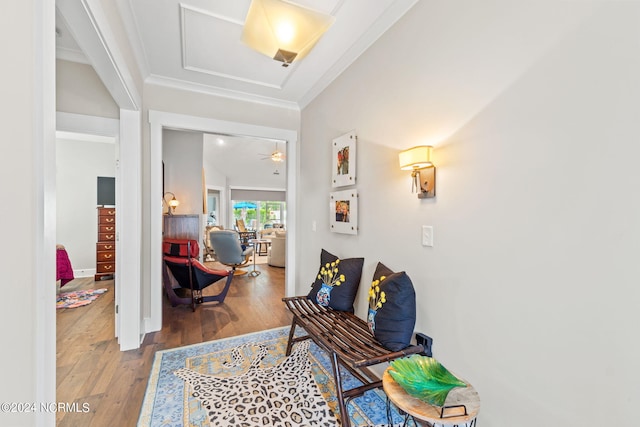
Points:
[(78, 298)]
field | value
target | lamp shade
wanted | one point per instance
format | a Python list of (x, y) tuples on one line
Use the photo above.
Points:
[(416, 158), (283, 31)]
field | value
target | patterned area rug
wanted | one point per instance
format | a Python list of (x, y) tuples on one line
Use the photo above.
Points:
[(78, 298), (170, 400)]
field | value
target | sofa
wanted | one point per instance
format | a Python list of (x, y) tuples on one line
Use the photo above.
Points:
[(276, 254)]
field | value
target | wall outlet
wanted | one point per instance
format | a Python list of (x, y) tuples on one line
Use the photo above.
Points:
[(426, 342), (427, 235)]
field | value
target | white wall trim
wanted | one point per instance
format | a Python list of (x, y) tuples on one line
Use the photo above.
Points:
[(91, 125), (85, 272), (44, 175), (90, 28), (129, 231), (222, 214), (225, 93), (159, 120), (250, 187)]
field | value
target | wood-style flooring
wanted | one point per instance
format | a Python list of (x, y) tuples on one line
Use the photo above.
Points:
[(91, 368)]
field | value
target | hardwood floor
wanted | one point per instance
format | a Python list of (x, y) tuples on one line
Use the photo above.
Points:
[(91, 368)]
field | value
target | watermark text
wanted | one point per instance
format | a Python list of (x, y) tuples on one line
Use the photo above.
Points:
[(25, 407)]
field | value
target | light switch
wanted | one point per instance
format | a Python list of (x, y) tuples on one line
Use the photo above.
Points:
[(427, 235), (313, 225)]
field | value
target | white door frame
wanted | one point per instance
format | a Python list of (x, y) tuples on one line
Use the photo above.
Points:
[(222, 203), (159, 120), (90, 27)]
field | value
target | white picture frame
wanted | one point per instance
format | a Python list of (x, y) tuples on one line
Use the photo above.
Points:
[(343, 211), (343, 163)]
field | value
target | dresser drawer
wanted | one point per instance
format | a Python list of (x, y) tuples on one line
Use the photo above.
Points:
[(109, 256), (101, 247), (106, 219), (106, 267), (106, 228), (107, 237), (107, 212)]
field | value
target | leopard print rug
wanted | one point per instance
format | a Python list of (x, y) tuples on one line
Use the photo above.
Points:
[(283, 395)]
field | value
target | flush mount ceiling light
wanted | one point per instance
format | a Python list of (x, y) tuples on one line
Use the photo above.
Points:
[(283, 31)]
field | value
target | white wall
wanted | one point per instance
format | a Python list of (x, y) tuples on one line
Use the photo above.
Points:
[(78, 164), (80, 90), (530, 291), (27, 108), (182, 157)]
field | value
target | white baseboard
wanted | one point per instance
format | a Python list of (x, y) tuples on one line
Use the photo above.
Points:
[(88, 272)]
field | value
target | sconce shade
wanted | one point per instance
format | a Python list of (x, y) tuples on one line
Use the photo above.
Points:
[(416, 158), (283, 31), (171, 204)]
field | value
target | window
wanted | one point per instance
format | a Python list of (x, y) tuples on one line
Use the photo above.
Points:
[(258, 215)]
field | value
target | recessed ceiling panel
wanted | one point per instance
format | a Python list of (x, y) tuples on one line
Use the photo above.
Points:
[(211, 45), (325, 6)]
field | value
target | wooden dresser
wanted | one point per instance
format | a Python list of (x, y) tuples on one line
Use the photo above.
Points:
[(106, 245)]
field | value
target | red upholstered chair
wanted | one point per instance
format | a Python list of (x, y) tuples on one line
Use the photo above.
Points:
[(181, 262)]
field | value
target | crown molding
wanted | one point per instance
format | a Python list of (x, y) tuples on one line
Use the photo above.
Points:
[(386, 21), (216, 91)]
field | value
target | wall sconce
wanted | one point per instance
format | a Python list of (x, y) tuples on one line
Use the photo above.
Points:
[(171, 204), (283, 31), (423, 171)]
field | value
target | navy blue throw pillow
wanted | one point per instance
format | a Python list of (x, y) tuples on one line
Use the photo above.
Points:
[(337, 281), (392, 308)]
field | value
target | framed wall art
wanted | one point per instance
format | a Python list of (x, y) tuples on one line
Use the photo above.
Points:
[(344, 160), (343, 211)]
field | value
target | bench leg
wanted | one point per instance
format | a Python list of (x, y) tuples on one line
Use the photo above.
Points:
[(291, 332), (344, 414)]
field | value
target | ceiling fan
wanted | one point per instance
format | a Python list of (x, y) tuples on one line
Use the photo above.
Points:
[(276, 155)]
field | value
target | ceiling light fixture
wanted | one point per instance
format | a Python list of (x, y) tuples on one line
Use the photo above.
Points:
[(277, 156), (283, 31)]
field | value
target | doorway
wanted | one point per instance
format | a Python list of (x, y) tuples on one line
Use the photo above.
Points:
[(83, 163), (161, 120), (213, 206)]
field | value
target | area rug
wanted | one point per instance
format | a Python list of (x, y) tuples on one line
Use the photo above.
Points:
[(78, 298), (169, 399)]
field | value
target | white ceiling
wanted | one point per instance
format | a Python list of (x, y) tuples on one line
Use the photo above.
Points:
[(244, 161), (195, 45)]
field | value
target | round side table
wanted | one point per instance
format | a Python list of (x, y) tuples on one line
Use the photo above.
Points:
[(428, 415)]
